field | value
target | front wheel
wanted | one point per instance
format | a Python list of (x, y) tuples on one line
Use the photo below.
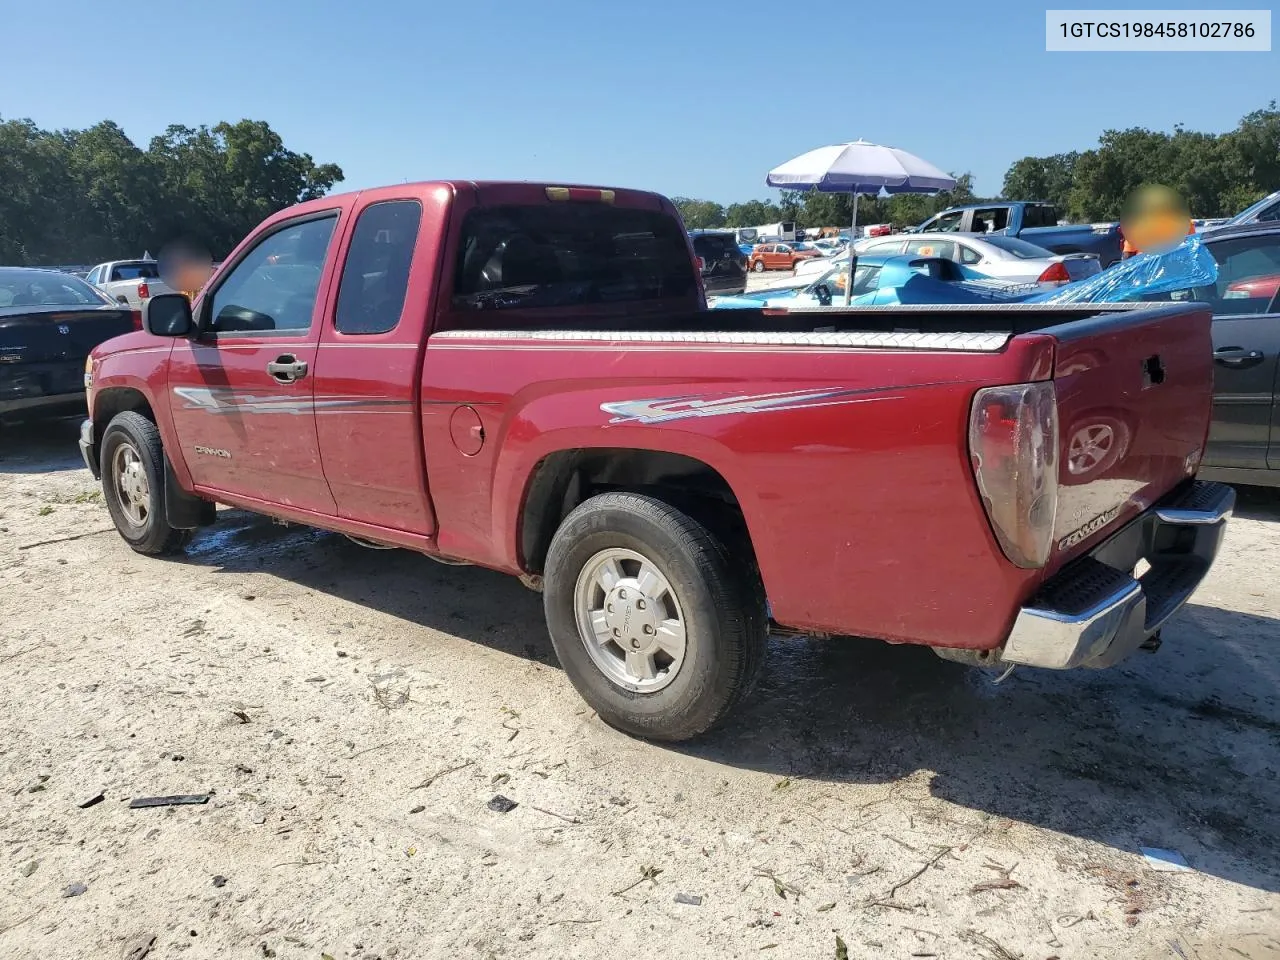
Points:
[(132, 467), (758, 266), (658, 627)]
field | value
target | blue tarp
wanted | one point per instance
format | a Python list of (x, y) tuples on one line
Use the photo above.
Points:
[(1187, 266)]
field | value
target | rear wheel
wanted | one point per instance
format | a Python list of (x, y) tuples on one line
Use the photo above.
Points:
[(658, 627), (758, 266), (132, 467)]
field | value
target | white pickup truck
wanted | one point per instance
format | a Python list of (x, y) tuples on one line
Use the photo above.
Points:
[(129, 281)]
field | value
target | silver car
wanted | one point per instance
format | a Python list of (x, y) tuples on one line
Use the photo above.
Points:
[(998, 257)]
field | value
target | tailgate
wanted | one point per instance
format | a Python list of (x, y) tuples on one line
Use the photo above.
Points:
[(1134, 393)]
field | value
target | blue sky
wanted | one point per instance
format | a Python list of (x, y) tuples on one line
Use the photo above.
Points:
[(695, 98)]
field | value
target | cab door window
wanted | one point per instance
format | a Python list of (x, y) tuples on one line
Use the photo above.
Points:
[(273, 289)]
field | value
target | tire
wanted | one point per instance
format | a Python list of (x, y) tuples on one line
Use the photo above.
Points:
[(714, 598), (758, 266), (132, 468)]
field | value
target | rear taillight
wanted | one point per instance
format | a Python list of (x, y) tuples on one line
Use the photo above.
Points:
[(1013, 442), (143, 290), (1055, 273), (702, 263), (137, 319)]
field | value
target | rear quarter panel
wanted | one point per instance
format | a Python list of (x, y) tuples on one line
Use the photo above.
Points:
[(861, 504)]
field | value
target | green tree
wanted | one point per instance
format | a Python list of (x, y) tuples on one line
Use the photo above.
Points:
[(86, 195), (1042, 178), (1218, 174), (751, 214), (699, 214)]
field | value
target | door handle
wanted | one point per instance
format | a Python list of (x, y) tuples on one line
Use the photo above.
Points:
[(287, 368), (1237, 357)]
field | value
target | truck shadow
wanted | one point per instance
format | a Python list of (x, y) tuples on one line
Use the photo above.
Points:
[(41, 446), (469, 602), (1175, 750), (1258, 503)]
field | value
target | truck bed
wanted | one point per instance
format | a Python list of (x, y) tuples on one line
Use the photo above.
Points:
[(877, 400)]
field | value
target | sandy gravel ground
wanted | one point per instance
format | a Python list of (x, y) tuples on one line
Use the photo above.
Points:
[(352, 713)]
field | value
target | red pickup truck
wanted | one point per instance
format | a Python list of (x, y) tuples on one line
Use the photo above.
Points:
[(526, 377)]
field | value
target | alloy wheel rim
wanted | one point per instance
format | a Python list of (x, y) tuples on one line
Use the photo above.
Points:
[(630, 620), (132, 488)]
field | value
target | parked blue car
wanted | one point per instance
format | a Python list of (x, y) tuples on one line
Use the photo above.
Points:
[(883, 279)]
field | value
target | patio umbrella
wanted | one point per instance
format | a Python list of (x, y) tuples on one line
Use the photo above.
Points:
[(859, 167)]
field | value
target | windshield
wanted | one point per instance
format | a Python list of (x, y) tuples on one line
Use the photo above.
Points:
[(1019, 248), (19, 288), (557, 255), (1256, 211), (866, 278)]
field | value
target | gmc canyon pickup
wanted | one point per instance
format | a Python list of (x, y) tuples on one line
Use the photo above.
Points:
[(526, 377)]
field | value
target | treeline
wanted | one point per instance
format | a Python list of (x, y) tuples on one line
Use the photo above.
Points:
[(1218, 174), (83, 196)]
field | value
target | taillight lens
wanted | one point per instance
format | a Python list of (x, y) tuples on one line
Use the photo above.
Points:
[(144, 291), (137, 319), (1055, 273), (1013, 441), (702, 263)]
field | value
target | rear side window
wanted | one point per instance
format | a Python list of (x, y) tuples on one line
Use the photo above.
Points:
[(932, 248), (376, 275), (1039, 215), (569, 254)]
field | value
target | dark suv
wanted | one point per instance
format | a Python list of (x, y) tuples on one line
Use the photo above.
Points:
[(724, 265)]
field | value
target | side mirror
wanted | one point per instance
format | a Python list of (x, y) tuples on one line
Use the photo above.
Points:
[(121, 298), (168, 315), (823, 293)]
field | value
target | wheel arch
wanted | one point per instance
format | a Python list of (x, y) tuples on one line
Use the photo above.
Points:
[(563, 479), (110, 401)]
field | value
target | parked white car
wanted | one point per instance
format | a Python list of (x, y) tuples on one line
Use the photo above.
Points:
[(1002, 258), (129, 281)]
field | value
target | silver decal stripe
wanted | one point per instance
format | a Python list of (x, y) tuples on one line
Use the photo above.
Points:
[(972, 342), (228, 401), (664, 409)]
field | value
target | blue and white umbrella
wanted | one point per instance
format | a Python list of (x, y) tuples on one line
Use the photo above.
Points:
[(859, 167)]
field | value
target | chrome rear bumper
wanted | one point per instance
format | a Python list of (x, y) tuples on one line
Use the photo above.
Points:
[(1094, 612)]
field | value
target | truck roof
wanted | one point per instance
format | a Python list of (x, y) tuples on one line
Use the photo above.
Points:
[(391, 191), (478, 185)]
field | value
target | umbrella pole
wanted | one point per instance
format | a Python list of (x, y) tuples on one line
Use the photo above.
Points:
[(853, 233)]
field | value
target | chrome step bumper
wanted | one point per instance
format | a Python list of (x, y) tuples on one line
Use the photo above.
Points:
[(1094, 612)]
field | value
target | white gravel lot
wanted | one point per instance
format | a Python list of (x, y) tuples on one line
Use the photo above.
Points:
[(352, 713)]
